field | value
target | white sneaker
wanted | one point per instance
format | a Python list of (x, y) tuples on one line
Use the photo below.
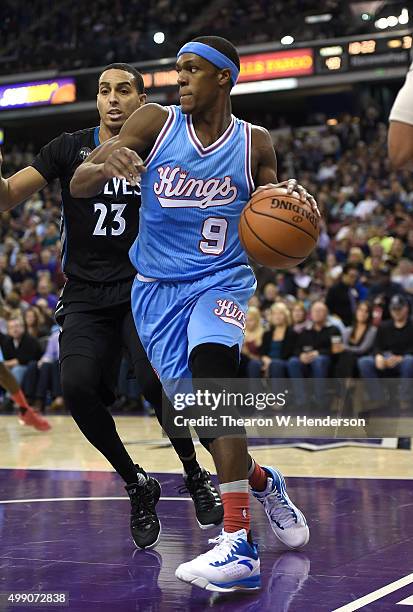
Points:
[(286, 520), (232, 565)]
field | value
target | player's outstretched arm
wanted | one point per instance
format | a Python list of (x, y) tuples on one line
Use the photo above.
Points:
[(119, 156), (400, 144), (400, 135), (19, 187), (264, 167)]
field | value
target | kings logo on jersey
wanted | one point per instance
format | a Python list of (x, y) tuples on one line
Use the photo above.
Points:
[(176, 189), (229, 312)]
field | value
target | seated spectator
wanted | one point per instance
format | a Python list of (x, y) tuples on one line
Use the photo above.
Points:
[(341, 299), (51, 236), (28, 290), (393, 354), (46, 316), (327, 170), (278, 342), (343, 208), (403, 275), (357, 340), (312, 357), (298, 316), (396, 251), (22, 270), (34, 322), (376, 250), (356, 257), (43, 382), (384, 290), (365, 207), (19, 350), (277, 345), (270, 294), (254, 331), (44, 291), (46, 264)]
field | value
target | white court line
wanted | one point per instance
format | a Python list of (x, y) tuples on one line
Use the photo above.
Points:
[(386, 590), (177, 471), (58, 499)]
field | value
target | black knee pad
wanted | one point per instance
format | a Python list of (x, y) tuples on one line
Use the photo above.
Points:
[(81, 382), (213, 360)]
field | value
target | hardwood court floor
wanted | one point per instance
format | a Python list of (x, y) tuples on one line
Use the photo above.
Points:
[(64, 527), (64, 447)]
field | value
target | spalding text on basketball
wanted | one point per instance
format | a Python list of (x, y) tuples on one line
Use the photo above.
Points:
[(176, 190), (286, 205)]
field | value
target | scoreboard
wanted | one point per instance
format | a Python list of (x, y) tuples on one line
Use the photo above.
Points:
[(372, 53), (363, 54), (267, 67)]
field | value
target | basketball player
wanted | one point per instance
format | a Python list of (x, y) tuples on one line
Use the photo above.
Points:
[(94, 310), (27, 415), (202, 168), (400, 137)]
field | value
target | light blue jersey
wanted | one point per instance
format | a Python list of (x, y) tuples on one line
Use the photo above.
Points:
[(192, 199)]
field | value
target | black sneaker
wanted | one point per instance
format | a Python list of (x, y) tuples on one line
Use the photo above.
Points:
[(144, 523), (208, 505)]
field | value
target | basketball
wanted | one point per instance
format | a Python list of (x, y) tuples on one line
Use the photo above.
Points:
[(278, 230)]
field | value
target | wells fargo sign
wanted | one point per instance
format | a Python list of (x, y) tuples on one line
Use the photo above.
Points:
[(293, 62)]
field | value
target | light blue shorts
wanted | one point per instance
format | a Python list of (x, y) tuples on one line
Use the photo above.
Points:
[(175, 317), (1, 356)]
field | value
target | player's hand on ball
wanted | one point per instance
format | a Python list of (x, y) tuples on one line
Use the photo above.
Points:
[(125, 164), (292, 185)]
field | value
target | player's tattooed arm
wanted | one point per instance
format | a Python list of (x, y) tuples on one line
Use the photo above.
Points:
[(119, 157), (264, 167), (19, 187)]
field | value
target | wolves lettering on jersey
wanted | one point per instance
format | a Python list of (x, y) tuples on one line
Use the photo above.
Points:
[(192, 199), (96, 232), (116, 187)]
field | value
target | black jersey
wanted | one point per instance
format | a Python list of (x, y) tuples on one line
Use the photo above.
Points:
[(96, 232)]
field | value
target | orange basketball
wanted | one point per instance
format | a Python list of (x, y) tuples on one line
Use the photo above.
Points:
[(278, 230)]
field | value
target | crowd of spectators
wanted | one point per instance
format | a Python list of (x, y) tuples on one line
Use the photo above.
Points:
[(344, 312), (47, 35)]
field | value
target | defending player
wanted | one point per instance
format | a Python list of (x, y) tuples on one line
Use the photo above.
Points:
[(94, 310), (201, 170)]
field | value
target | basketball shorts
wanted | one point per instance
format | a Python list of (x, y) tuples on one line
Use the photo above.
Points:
[(175, 317), (1, 356), (103, 336), (82, 296)]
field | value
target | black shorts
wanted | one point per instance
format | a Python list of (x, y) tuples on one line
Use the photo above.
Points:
[(82, 296), (102, 333)]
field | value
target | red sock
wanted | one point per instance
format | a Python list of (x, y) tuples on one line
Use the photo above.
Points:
[(236, 511), (258, 478), (20, 399)]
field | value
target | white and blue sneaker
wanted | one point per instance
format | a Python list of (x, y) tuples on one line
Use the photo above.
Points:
[(286, 520), (232, 565)]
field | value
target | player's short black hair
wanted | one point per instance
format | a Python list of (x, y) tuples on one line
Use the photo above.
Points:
[(140, 87), (220, 44)]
